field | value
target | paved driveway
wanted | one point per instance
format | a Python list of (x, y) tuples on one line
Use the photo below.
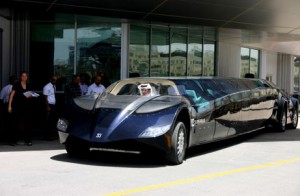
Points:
[(267, 163)]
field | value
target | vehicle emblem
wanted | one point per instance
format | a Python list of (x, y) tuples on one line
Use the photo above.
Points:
[(99, 135)]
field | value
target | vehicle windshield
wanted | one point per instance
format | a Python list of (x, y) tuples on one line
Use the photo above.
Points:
[(135, 86), (189, 88)]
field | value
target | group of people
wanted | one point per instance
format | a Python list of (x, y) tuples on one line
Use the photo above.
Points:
[(17, 99), (79, 86)]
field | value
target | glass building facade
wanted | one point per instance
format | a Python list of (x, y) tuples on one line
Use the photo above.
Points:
[(163, 50), (250, 62), (69, 44), (75, 44)]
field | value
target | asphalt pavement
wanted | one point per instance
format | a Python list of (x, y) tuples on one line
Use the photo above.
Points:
[(264, 163)]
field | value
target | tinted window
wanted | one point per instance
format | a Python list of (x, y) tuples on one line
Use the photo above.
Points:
[(227, 86), (211, 88)]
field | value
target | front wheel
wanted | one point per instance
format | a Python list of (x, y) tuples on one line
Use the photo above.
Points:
[(179, 143), (76, 148)]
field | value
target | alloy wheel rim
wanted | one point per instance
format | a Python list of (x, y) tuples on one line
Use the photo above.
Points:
[(180, 142), (295, 118), (283, 120)]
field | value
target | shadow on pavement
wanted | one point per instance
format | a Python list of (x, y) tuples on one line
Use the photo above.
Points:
[(114, 159), (271, 135), (150, 160), (263, 135)]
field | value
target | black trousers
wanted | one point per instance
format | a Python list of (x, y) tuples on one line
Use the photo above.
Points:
[(9, 125), (51, 119), (21, 121)]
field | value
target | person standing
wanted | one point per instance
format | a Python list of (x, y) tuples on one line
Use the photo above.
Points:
[(4, 95), (104, 79), (96, 87), (20, 106), (72, 90), (50, 102), (5, 116), (145, 89), (83, 85)]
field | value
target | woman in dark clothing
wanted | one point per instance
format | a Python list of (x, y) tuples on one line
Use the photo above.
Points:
[(19, 106)]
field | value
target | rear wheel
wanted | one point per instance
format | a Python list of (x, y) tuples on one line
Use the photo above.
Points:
[(179, 143), (282, 121), (76, 147), (294, 123)]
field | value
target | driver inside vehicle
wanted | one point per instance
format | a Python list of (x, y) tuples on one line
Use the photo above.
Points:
[(145, 89)]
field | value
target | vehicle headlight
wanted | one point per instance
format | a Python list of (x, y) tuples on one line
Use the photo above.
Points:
[(62, 124), (154, 131)]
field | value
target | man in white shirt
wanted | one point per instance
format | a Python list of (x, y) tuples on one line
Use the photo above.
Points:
[(96, 87), (4, 95), (50, 100)]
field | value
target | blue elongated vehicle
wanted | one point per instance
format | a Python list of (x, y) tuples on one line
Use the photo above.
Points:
[(178, 113)]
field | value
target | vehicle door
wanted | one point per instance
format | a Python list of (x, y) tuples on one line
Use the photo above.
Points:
[(202, 124), (227, 109), (262, 103)]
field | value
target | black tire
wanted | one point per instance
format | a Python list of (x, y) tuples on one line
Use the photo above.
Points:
[(282, 120), (294, 119), (179, 143), (76, 148)]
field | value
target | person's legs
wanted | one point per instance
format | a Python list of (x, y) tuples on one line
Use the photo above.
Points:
[(2, 113), (10, 127), (24, 128), (50, 125)]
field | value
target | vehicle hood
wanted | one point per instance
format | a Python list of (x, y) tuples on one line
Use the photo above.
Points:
[(118, 117)]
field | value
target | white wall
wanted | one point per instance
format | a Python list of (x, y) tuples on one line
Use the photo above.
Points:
[(229, 58)]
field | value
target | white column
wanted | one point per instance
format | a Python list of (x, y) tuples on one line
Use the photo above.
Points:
[(269, 66), (229, 59), (124, 49), (285, 76), (262, 65), (229, 52)]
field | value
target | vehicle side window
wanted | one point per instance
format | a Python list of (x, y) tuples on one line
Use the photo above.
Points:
[(226, 86), (211, 89), (257, 84), (181, 89), (186, 86), (128, 89), (266, 84), (191, 90), (171, 91), (167, 90)]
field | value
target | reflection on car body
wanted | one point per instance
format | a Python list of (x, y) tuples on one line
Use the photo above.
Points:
[(181, 113)]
